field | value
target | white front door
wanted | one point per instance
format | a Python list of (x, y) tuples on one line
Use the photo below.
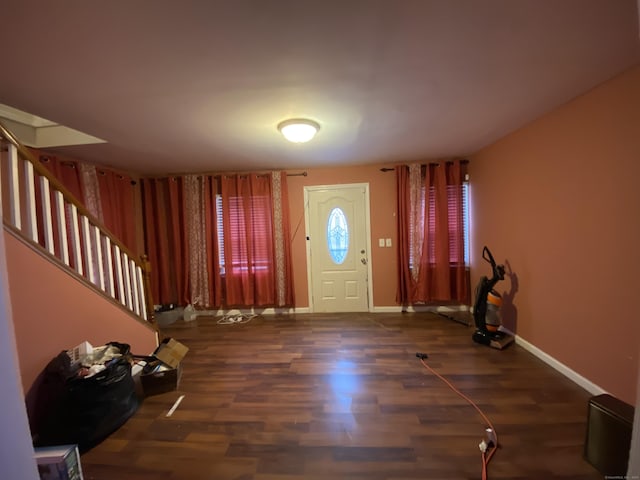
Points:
[(338, 247)]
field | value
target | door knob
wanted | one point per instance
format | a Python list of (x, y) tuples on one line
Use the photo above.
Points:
[(364, 261)]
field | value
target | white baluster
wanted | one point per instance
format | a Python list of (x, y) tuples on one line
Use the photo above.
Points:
[(47, 219), (99, 259), (61, 216), (32, 219), (134, 282), (127, 280), (88, 250), (143, 299), (109, 263), (14, 187), (118, 261), (75, 240)]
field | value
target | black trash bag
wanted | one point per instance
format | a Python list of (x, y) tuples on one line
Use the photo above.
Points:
[(84, 411)]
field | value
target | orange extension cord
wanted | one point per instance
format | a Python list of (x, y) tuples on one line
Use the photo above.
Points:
[(485, 458)]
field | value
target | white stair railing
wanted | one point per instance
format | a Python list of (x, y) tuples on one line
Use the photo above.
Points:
[(66, 231)]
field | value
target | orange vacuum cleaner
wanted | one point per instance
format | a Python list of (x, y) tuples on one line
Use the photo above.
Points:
[(486, 308)]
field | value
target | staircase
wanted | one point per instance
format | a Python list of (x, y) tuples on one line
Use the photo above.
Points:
[(70, 279), (60, 225)]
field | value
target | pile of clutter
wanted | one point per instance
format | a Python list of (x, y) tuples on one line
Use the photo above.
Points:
[(85, 394), (88, 360)]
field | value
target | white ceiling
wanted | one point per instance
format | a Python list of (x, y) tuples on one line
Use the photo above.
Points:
[(184, 85)]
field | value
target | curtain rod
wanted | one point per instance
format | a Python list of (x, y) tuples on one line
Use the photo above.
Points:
[(299, 174), (390, 169), (215, 174), (72, 164)]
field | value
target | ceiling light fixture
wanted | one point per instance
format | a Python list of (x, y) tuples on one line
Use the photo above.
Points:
[(298, 130)]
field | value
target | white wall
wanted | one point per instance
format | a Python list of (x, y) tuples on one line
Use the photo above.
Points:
[(16, 454)]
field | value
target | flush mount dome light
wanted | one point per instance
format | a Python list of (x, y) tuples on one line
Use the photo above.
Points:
[(298, 130)]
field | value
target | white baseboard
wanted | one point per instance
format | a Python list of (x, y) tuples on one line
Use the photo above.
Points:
[(384, 309), (588, 385), (252, 311), (389, 309), (301, 310), (421, 308)]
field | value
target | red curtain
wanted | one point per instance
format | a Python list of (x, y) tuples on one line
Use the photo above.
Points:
[(165, 229), (253, 258), (67, 173), (219, 241), (116, 194), (117, 199), (404, 294), (249, 262), (431, 234)]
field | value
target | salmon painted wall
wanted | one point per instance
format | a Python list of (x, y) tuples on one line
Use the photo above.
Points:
[(53, 311), (559, 202), (382, 197)]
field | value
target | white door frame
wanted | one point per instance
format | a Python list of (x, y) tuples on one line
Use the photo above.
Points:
[(367, 226)]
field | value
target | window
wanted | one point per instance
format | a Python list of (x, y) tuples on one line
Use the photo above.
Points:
[(259, 213), (337, 235), (466, 224), (454, 211)]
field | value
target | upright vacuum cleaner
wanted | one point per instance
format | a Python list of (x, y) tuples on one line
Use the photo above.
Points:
[(486, 308)]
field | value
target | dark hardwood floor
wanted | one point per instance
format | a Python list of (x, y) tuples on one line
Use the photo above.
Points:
[(344, 397)]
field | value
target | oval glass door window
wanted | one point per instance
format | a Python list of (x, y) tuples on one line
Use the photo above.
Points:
[(337, 235)]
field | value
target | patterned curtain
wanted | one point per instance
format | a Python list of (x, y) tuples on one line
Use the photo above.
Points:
[(416, 216), (282, 242), (196, 234), (89, 178)]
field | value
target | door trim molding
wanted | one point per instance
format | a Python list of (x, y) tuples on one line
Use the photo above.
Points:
[(367, 226)]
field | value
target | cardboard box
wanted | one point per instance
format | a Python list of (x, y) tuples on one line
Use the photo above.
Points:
[(161, 381), (170, 352), (59, 463), (163, 374)]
